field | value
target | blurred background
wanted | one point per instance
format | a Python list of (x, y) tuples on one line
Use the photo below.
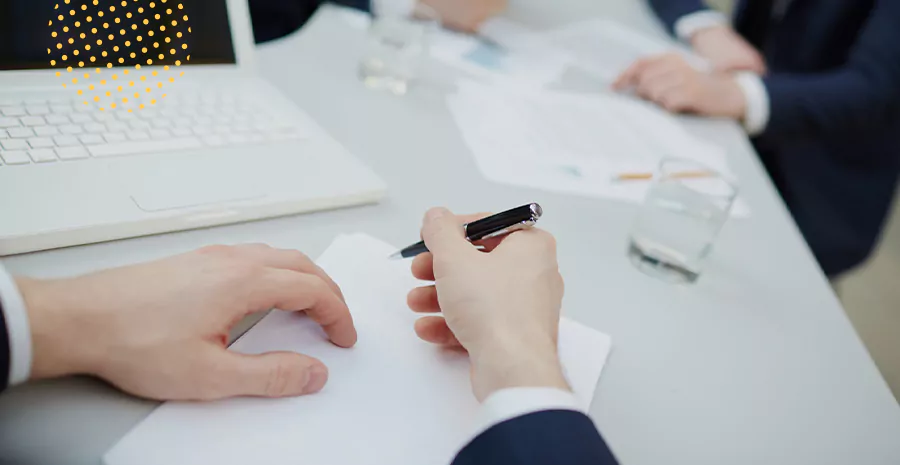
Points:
[(871, 293), (871, 297)]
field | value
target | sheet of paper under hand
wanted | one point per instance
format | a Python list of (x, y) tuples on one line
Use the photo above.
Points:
[(391, 400)]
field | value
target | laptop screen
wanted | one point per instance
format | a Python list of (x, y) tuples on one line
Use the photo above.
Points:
[(97, 31)]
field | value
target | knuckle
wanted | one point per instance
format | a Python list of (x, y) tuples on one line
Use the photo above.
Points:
[(431, 212), (297, 256), (672, 103), (216, 250), (318, 284), (241, 271), (277, 381), (315, 285), (643, 80), (428, 230)]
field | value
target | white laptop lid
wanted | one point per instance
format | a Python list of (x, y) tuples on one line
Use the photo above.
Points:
[(220, 37)]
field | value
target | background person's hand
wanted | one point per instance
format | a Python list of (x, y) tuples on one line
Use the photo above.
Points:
[(672, 83), (159, 330), (502, 306), (727, 51), (466, 15)]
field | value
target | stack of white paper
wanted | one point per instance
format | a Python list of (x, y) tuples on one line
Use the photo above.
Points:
[(573, 143), (391, 400)]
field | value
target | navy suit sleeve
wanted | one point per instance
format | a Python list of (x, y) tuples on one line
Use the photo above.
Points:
[(863, 94), (670, 11), (277, 18), (364, 5), (552, 437)]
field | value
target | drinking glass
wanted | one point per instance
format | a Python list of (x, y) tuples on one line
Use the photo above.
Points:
[(397, 48), (682, 214)]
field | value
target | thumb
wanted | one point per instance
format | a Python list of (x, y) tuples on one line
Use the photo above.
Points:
[(443, 234), (272, 374)]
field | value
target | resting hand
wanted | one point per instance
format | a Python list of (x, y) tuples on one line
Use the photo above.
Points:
[(159, 330), (672, 83), (502, 306)]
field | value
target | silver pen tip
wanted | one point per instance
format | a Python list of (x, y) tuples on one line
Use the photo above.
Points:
[(395, 256)]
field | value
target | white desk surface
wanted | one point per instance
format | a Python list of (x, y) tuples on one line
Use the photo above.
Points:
[(756, 364)]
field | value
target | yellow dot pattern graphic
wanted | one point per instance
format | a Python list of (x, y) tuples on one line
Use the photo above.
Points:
[(80, 43)]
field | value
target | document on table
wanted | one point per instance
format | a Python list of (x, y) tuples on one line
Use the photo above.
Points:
[(392, 399), (504, 52), (573, 143), (606, 48)]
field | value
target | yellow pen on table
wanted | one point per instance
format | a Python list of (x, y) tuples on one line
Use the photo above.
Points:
[(650, 176)]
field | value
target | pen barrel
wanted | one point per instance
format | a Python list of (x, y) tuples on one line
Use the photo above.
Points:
[(486, 227), (492, 226)]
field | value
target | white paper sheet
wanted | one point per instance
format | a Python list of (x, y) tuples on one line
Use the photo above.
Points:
[(511, 54), (391, 400), (574, 143), (606, 48)]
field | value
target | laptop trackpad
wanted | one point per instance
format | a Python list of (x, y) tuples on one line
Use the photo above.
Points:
[(190, 181)]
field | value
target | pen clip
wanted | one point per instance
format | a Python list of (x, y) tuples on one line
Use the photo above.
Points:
[(509, 229)]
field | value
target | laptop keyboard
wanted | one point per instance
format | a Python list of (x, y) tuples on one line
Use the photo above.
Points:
[(63, 130)]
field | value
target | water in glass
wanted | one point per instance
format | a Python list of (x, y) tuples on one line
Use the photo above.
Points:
[(679, 221)]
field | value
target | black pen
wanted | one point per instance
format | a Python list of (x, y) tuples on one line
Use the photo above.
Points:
[(506, 222)]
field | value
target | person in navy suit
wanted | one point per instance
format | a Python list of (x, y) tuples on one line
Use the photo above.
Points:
[(159, 330), (277, 18), (815, 85)]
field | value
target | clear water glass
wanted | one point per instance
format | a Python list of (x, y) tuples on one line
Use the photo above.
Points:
[(397, 49), (682, 215)]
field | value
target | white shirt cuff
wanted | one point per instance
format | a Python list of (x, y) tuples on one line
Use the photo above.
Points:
[(17, 328), (756, 116), (393, 7), (506, 404), (688, 25)]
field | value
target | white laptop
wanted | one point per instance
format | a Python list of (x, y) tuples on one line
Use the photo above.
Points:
[(222, 146)]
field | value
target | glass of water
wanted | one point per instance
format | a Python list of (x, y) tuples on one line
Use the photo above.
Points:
[(397, 48), (682, 215)]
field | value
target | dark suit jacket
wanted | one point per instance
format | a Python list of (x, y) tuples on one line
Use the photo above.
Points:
[(277, 18), (832, 145), (551, 437)]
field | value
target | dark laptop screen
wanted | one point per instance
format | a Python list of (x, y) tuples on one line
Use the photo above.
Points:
[(120, 32)]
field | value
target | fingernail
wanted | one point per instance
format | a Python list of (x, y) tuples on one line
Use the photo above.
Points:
[(318, 375), (436, 213)]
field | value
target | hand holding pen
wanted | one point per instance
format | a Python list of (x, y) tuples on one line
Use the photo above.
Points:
[(503, 307), (503, 223)]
